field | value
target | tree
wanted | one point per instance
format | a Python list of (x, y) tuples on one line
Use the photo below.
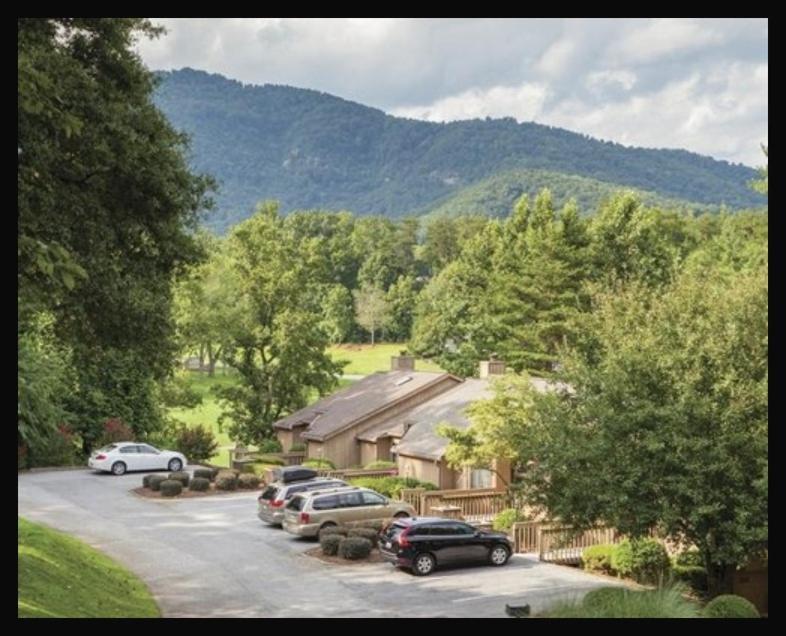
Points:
[(665, 423), (372, 309), (106, 209), (401, 298), (761, 184), (339, 320), (277, 345)]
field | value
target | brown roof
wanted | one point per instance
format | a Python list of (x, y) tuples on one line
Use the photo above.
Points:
[(375, 392)]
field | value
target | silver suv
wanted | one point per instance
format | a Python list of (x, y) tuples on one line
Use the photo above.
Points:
[(271, 502), (308, 513)]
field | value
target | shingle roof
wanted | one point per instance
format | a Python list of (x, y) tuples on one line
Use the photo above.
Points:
[(335, 412)]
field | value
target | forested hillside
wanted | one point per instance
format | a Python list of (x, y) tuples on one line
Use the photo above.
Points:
[(309, 149)]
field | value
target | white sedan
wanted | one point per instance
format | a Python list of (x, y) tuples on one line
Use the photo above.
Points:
[(122, 456)]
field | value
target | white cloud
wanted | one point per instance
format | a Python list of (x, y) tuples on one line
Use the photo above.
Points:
[(599, 80), (662, 37)]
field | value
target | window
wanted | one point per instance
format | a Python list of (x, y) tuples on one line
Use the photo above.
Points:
[(293, 491), (146, 448), (270, 493), (296, 503), (460, 528), (440, 531), (326, 503), (129, 449), (480, 478), (373, 499), (106, 449), (349, 500)]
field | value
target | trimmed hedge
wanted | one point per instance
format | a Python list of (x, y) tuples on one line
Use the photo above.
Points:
[(354, 548), (226, 480), (340, 530), (329, 543), (248, 482), (205, 473), (200, 484), (155, 482), (367, 533), (597, 558), (181, 476), (171, 487), (146, 481), (730, 606), (646, 560), (373, 524)]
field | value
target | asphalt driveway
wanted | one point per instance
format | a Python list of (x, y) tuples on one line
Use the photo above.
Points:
[(212, 557)]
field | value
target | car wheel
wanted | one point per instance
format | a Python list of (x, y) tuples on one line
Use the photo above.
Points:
[(400, 515), (423, 564), (174, 465), (329, 524), (499, 555), (118, 468)]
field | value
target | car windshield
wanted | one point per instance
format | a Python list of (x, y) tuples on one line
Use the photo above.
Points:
[(107, 448), (296, 503)]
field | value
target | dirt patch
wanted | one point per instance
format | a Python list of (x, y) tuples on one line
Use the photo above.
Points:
[(189, 494), (374, 557)]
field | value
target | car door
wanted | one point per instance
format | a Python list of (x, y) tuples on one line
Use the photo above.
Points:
[(374, 506), (130, 456), (467, 543), (151, 458), (350, 507), (440, 542)]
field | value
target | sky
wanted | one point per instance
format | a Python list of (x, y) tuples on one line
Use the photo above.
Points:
[(698, 84)]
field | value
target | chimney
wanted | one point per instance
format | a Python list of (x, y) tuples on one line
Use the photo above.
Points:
[(492, 366), (402, 362)]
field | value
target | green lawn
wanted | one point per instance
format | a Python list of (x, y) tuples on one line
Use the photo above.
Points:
[(61, 577), (365, 359), (207, 413)]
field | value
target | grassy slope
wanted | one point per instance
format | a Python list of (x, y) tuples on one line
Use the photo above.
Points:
[(59, 576), (365, 359)]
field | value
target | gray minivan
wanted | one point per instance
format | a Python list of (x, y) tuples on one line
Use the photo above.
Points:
[(273, 498)]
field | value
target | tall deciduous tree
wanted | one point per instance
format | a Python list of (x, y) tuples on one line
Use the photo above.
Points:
[(277, 344), (372, 309)]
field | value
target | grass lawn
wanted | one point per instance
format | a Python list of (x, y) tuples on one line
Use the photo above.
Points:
[(207, 413), (365, 359), (61, 577)]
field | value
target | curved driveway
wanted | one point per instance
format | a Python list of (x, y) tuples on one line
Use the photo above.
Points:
[(212, 557)]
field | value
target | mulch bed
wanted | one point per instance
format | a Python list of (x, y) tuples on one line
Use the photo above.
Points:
[(374, 557), (188, 493)]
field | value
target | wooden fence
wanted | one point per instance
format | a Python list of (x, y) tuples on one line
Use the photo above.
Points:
[(558, 543), (478, 504), (350, 473)]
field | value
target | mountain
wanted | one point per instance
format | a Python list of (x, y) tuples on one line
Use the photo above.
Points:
[(496, 195), (313, 150)]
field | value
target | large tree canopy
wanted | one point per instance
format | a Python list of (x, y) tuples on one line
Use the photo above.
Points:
[(105, 204)]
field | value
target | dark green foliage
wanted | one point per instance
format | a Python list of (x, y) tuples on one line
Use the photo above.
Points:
[(693, 575), (270, 459), (182, 476), (367, 533), (663, 602), (603, 596), (177, 392), (146, 481), (730, 606), (171, 487), (226, 480), (598, 558), (354, 548), (297, 447), (197, 443), (379, 463), (329, 543), (248, 481), (689, 557), (340, 530), (373, 524), (271, 445), (60, 448), (319, 463), (342, 155), (200, 484), (155, 482), (646, 560), (391, 486), (205, 473)]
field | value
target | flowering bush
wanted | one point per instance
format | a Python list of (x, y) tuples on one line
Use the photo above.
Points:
[(115, 430), (197, 443)]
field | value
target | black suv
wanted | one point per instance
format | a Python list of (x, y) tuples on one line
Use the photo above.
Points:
[(423, 543)]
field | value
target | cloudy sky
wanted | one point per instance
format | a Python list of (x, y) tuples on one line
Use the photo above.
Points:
[(699, 84)]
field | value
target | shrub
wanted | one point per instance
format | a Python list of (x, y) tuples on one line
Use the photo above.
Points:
[(205, 473), (391, 486), (156, 481), (200, 484), (319, 463), (171, 487), (645, 560), (270, 460), (354, 548), (373, 524), (178, 393), (730, 606), (339, 530), (597, 558), (603, 596), (146, 481), (271, 445), (59, 448), (379, 464), (182, 476), (504, 521), (367, 533), (226, 480), (695, 576), (665, 602), (197, 443), (114, 430), (248, 481), (22, 457), (689, 557), (297, 447), (329, 543)]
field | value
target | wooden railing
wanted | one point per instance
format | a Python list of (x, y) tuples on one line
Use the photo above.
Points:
[(558, 543), (525, 536), (349, 473), (475, 504)]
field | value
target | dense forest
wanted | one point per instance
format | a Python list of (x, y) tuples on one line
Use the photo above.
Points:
[(312, 150)]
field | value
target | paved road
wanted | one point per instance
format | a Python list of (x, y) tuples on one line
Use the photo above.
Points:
[(212, 557)]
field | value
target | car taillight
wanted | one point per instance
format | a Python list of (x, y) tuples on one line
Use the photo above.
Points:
[(403, 542), (276, 503), (101, 456), (304, 517)]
